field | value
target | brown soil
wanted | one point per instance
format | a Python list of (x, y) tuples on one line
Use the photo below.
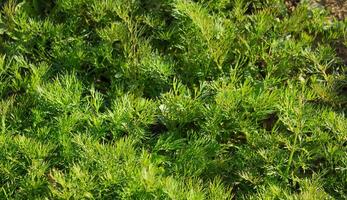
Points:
[(341, 51), (338, 8), (291, 4)]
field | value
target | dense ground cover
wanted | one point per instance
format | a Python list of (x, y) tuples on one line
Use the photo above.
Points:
[(172, 99)]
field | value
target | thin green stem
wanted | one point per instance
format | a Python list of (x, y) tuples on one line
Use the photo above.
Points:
[(292, 153), (3, 125), (296, 130)]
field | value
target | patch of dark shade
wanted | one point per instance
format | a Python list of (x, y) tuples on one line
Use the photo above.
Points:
[(157, 128), (270, 121)]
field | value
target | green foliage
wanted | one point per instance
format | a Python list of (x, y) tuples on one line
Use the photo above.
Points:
[(171, 99)]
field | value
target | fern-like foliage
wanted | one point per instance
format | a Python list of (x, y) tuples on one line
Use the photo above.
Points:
[(172, 99)]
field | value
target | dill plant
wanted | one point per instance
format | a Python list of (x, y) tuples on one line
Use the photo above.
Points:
[(175, 99)]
